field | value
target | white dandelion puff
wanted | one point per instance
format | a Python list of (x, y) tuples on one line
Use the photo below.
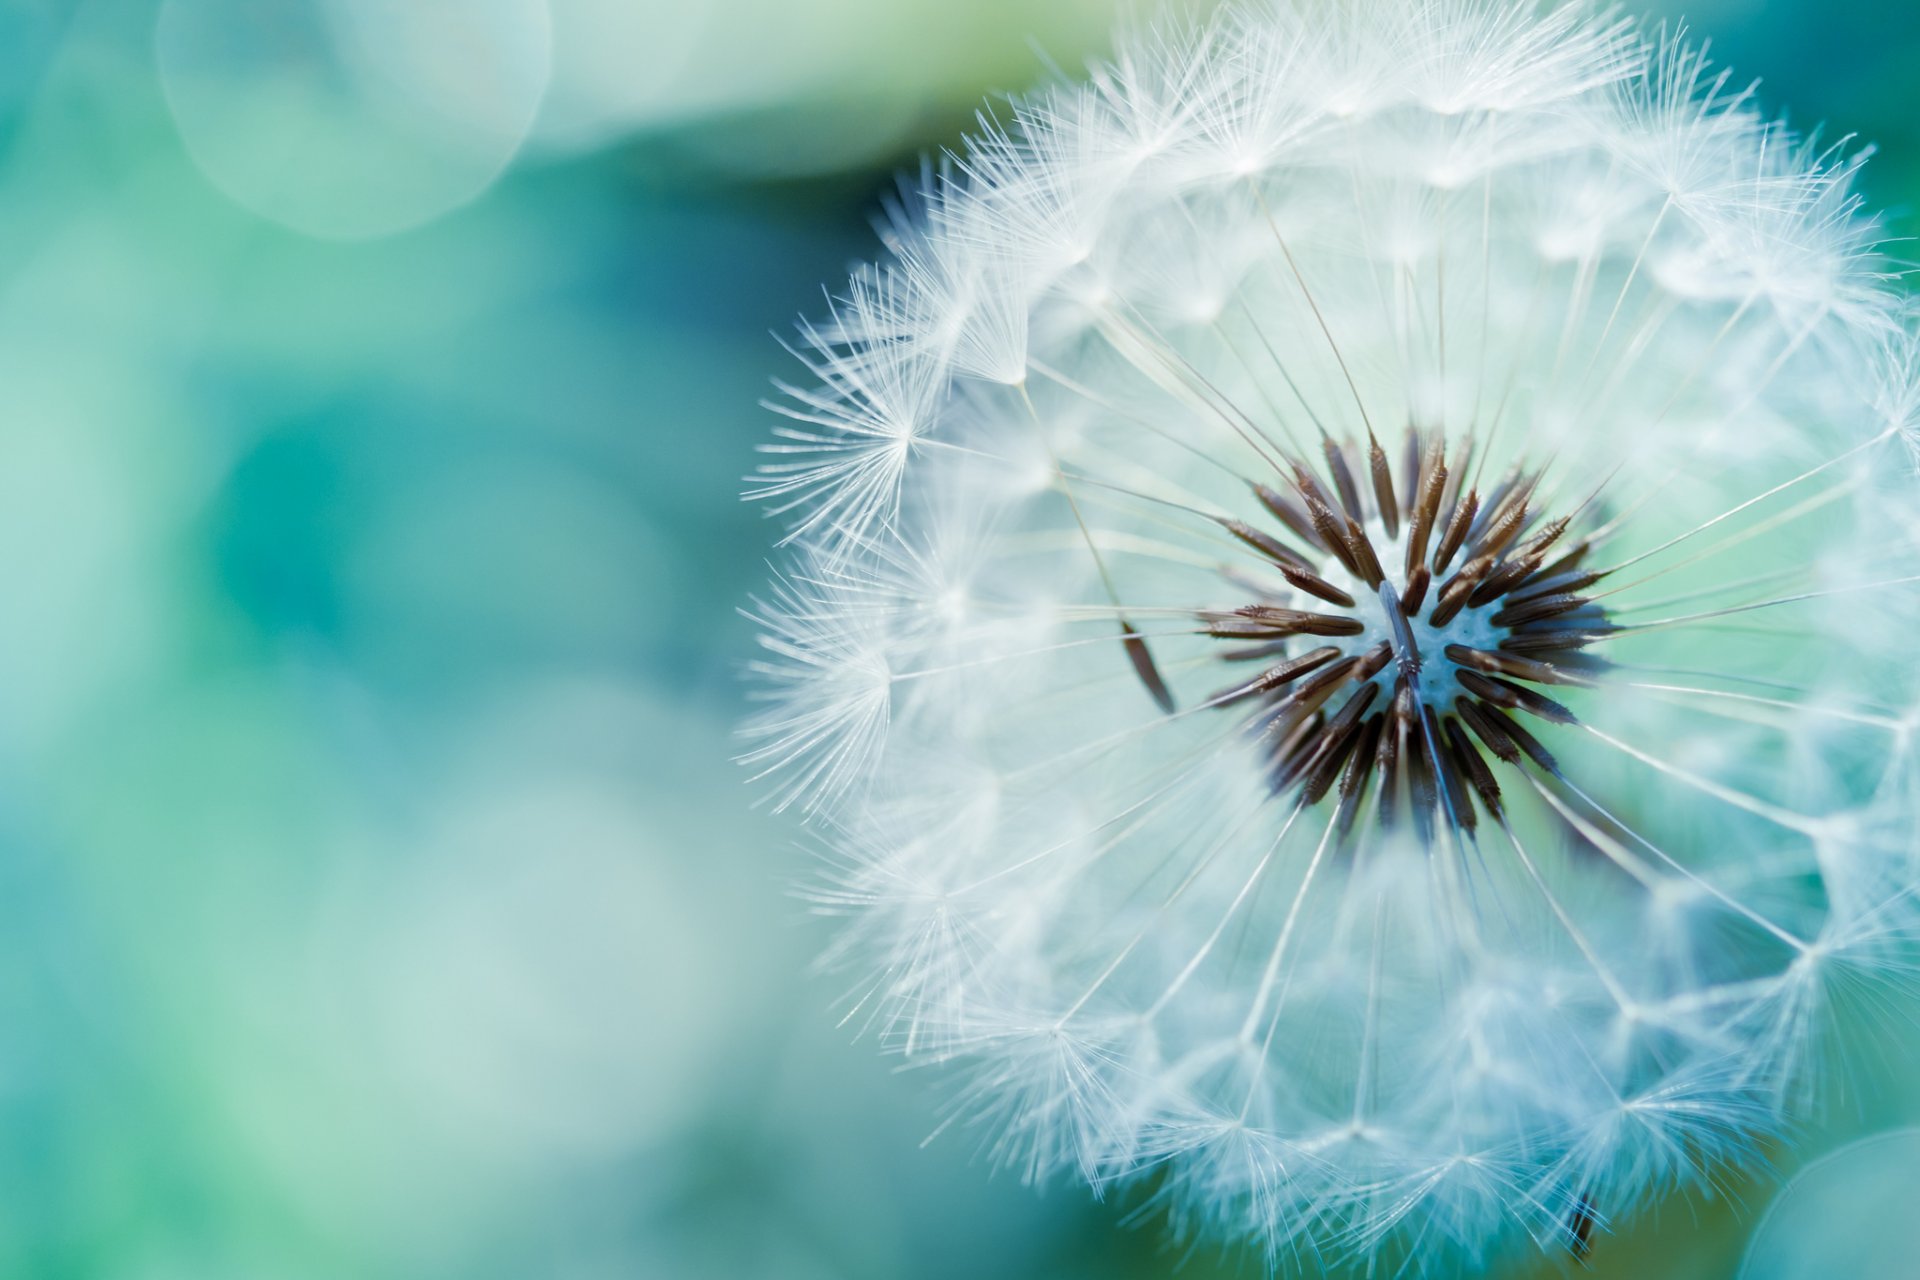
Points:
[(837, 469), (1348, 631), (827, 682)]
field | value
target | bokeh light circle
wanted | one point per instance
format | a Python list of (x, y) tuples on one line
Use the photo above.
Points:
[(546, 982), (1848, 1214), (351, 119), (619, 66)]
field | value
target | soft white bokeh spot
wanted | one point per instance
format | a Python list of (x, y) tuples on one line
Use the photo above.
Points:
[(537, 984), (615, 64), (351, 119), (1849, 1213)]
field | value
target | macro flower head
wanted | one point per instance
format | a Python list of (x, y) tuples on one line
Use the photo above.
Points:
[(1346, 623)]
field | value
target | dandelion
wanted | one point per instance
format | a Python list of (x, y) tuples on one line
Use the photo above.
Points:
[(1349, 629)]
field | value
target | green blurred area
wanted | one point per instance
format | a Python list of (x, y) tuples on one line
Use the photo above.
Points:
[(377, 895)]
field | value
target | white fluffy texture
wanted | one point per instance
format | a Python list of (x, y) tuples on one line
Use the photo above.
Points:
[(1092, 330)]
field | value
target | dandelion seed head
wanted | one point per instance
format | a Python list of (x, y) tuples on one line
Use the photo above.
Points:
[(1346, 624)]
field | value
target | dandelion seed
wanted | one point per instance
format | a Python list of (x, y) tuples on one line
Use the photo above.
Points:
[(1350, 625)]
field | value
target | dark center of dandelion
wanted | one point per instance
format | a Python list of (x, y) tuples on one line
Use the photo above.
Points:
[(1417, 619)]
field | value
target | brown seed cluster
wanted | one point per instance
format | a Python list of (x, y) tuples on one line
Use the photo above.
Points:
[(1445, 610)]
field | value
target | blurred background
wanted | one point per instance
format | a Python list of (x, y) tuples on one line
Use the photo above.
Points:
[(377, 896)]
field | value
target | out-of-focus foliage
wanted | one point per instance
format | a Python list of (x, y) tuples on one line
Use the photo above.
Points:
[(379, 897)]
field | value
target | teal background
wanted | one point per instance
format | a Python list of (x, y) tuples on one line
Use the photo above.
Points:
[(377, 895)]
